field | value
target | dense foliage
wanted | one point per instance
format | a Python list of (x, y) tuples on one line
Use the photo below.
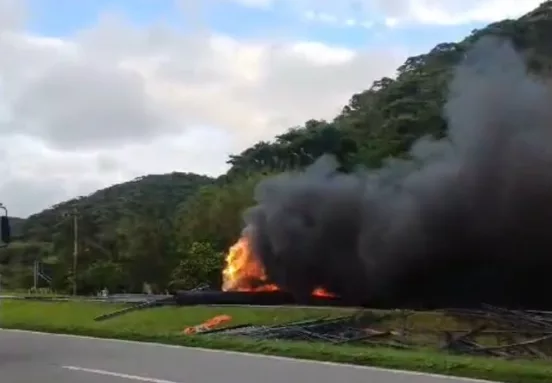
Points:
[(172, 230)]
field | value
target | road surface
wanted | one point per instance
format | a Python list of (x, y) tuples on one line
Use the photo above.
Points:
[(35, 357)]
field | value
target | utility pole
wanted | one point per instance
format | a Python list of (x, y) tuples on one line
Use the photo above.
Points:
[(75, 248), (35, 274)]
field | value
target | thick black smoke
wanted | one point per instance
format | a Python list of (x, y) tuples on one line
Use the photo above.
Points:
[(468, 220)]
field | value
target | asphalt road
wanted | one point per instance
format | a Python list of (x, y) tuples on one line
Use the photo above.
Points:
[(33, 357)]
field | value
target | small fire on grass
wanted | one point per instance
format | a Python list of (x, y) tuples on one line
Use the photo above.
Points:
[(244, 272), (209, 324)]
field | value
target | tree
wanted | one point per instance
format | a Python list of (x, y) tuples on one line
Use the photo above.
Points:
[(200, 264)]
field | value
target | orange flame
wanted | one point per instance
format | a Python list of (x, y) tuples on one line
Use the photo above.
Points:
[(244, 272), (208, 324)]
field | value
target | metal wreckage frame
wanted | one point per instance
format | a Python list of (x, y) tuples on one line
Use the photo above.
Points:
[(488, 330)]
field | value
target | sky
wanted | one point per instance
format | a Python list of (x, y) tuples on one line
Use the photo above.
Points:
[(97, 92)]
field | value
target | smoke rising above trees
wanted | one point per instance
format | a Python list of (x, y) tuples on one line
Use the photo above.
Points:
[(465, 219)]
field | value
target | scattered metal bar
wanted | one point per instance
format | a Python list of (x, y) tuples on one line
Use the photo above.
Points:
[(140, 306)]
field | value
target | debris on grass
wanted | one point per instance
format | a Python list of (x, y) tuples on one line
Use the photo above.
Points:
[(490, 331)]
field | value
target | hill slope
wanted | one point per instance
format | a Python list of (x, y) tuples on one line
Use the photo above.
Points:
[(109, 222), (153, 194)]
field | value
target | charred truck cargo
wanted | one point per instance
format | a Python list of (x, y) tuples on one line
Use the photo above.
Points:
[(261, 298), (467, 219)]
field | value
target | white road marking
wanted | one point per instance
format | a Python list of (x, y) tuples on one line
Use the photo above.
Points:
[(117, 374), (252, 355)]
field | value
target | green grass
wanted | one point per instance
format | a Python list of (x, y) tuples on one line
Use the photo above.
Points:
[(156, 321), (165, 324)]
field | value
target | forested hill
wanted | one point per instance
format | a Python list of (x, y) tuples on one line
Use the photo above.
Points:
[(108, 220), (173, 229), (153, 195), (386, 118)]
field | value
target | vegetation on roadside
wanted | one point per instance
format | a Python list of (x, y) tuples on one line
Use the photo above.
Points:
[(165, 325)]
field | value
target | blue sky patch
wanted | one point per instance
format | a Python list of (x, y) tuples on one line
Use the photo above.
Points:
[(64, 17)]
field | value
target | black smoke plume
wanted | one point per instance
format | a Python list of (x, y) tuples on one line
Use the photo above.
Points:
[(467, 220)]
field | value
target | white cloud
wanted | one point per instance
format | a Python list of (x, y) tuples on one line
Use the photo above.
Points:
[(452, 12), (336, 21), (12, 14), (255, 3), (116, 101), (321, 17), (394, 13)]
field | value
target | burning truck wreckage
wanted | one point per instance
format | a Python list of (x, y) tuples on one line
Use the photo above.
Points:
[(463, 227)]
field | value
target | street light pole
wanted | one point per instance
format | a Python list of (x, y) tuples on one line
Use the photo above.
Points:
[(75, 249)]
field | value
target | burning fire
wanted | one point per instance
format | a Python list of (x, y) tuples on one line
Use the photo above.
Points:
[(244, 272), (209, 324)]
